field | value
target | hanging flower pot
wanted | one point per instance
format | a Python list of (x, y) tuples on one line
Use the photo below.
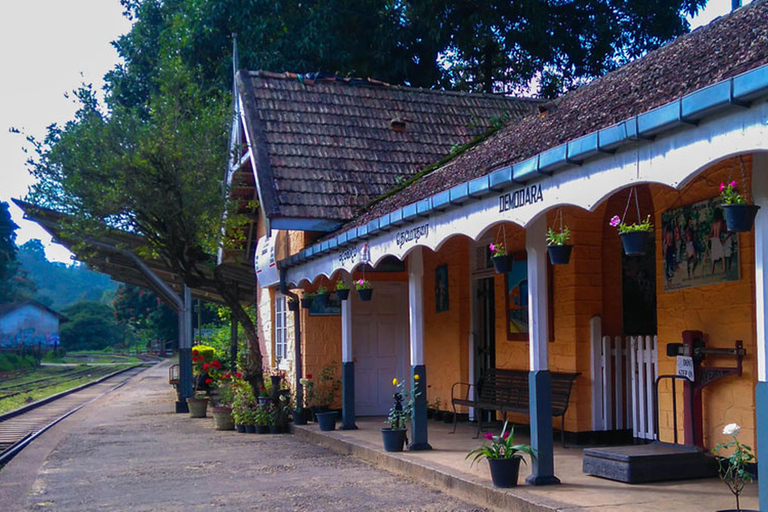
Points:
[(559, 251), (364, 290), (293, 305), (502, 263), (322, 296), (740, 218), (559, 254), (307, 299), (634, 242), (342, 293)]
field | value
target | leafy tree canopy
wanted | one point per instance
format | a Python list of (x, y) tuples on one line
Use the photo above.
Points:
[(14, 285), (91, 326)]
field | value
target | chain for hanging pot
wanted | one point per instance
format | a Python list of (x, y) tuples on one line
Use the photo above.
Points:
[(558, 215), (502, 230), (637, 203)]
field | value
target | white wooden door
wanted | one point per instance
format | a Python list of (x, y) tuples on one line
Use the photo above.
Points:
[(380, 346)]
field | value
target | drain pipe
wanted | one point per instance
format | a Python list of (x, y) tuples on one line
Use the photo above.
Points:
[(296, 340)]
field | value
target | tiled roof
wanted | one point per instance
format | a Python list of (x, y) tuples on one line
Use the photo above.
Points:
[(727, 47), (326, 147)]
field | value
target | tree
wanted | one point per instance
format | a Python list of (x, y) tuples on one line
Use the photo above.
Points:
[(14, 284), (90, 326)]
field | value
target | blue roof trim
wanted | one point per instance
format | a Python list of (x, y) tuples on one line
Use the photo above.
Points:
[(526, 170), (441, 200), (296, 224), (734, 92), (751, 85), (409, 212), (424, 207), (333, 243), (396, 217), (479, 187), (459, 194), (501, 179), (583, 148)]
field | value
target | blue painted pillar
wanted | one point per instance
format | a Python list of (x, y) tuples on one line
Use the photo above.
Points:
[(347, 368), (760, 194), (540, 381), (186, 388), (419, 433)]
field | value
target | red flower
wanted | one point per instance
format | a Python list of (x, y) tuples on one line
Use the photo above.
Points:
[(206, 366), (238, 375), (309, 375), (209, 381), (195, 351), (217, 364), (226, 376)]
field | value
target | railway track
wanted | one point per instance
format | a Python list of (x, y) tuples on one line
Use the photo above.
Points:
[(54, 380), (18, 428)]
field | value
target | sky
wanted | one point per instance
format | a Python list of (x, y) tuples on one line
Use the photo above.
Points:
[(47, 49)]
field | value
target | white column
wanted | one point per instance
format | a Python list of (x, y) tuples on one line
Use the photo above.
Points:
[(760, 194), (536, 246), (346, 330), (415, 305)]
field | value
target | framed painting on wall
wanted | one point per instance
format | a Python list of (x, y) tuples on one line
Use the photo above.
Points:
[(516, 299)]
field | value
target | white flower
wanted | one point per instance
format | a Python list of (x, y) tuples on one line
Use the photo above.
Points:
[(731, 429), (304, 381)]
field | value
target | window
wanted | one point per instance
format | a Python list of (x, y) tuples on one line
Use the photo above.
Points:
[(281, 334)]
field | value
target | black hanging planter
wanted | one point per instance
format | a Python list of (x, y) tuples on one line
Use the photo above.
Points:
[(502, 264), (342, 294), (293, 305), (365, 294), (504, 472), (321, 299), (559, 254), (739, 218), (394, 439), (634, 242), (306, 302)]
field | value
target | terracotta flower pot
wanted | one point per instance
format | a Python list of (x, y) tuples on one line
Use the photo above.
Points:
[(197, 407), (222, 417)]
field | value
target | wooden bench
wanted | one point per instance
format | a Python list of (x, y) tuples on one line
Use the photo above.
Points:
[(507, 391)]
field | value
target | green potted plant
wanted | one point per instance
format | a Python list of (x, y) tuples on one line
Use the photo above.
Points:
[(557, 247), (633, 236), (198, 403), (739, 216), (342, 290), (364, 290), (395, 436), (502, 262), (262, 414), (733, 468), (249, 419), (321, 394), (307, 299), (321, 296), (225, 384), (503, 456), (243, 402)]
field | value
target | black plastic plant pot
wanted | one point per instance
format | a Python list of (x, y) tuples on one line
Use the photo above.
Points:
[(502, 264), (394, 439), (262, 429), (365, 294), (504, 472), (240, 428), (299, 418), (321, 299), (306, 303), (342, 294), (293, 306), (327, 420), (739, 218), (559, 254), (634, 242)]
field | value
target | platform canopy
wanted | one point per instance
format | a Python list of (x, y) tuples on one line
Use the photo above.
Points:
[(115, 254)]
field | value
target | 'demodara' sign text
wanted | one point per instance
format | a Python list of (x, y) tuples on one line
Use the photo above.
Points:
[(520, 197), (412, 234)]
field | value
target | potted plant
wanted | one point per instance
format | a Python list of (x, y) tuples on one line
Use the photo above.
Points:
[(225, 388), (364, 290), (198, 402), (733, 468), (503, 456), (321, 296), (307, 299), (322, 393), (299, 414), (502, 262), (739, 216), (262, 413), (342, 290), (559, 251), (633, 236), (395, 437), (243, 403), (293, 305), (283, 411)]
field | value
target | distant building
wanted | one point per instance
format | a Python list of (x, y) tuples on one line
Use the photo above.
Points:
[(29, 324)]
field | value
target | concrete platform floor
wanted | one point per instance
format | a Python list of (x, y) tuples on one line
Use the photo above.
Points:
[(446, 468)]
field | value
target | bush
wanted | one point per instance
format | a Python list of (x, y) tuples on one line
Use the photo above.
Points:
[(13, 362)]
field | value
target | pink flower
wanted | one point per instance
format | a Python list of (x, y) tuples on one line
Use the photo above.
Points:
[(506, 435), (492, 247), (361, 282), (732, 184), (615, 221), (722, 186), (489, 436)]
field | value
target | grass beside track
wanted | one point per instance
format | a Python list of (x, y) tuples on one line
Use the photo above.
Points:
[(63, 382)]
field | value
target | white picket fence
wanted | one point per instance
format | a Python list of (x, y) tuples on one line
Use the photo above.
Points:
[(625, 369)]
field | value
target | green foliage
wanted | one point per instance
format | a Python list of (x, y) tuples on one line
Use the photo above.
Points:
[(10, 362), (323, 390), (14, 284), (500, 447), (58, 285), (558, 237), (400, 413), (91, 326)]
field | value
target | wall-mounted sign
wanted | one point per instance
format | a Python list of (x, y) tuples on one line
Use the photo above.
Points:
[(348, 254), (264, 261), (520, 197), (685, 367), (411, 235)]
